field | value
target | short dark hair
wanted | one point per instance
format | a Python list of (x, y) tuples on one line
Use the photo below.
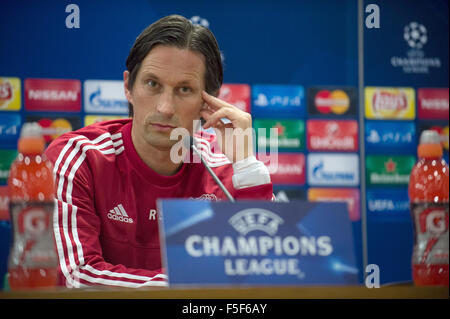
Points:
[(177, 31)]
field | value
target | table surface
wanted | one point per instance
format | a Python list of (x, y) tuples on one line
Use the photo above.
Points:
[(399, 291)]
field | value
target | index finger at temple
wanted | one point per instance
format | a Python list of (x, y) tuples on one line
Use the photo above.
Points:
[(213, 101)]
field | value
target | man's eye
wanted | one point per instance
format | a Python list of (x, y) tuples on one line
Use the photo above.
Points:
[(152, 84), (185, 89)]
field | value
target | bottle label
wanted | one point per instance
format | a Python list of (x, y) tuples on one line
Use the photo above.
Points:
[(33, 244), (431, 233)]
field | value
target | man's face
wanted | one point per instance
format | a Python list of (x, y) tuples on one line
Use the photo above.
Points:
[(166, 94)]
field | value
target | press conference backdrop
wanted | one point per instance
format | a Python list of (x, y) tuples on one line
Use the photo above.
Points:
[(348, 127)]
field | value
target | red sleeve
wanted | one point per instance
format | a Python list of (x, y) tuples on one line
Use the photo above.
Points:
[(77, 227)]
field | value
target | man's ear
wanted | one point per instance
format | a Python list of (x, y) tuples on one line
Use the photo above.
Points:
[(126, 76)]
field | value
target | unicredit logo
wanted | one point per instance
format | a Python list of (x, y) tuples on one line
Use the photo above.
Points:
[(332, 143), (389, 101), (286, 169), (331, 140)]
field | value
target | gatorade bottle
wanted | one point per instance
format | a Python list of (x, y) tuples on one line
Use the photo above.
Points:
[(428, 193), (32, 259)]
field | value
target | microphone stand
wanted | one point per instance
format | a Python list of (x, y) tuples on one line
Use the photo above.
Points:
[(214, 176)]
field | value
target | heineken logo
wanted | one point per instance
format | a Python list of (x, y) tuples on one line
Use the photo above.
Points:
[(280, 129), (389, 170), (289, 133), (376, 178), (390, 166)]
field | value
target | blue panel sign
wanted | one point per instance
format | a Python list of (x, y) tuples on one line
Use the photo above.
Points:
[(388, 204), (256, 242), (10, 127), (280, 101), (393, 136)]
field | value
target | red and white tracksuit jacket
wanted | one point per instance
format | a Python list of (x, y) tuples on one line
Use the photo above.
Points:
[(106, 221)]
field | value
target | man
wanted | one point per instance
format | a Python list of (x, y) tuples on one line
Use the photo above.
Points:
[(109, 175)]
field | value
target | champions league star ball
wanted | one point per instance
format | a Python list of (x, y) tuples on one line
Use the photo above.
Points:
[(415, 35), (200, 21)]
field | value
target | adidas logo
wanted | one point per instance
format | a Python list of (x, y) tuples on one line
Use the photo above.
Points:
[(119, 213)]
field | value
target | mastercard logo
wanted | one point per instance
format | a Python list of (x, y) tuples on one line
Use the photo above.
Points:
[(336, 101), (52, 129)]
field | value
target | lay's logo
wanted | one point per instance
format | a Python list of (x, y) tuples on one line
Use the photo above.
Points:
[(10, 94), (389, 103)]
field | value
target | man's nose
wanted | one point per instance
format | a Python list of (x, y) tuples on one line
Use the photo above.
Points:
[(165, 103)]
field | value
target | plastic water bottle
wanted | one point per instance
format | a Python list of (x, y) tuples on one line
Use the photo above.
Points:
[(428, 193), (32, 261)]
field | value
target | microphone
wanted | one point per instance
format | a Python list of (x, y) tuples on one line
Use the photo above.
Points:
[(189, 143)]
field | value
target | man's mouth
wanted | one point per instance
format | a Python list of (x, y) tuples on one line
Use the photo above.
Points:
[(162, 127)]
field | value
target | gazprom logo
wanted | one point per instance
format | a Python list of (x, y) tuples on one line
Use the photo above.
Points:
[(105, 96), (252, 219), (96, 99), (333, 169)]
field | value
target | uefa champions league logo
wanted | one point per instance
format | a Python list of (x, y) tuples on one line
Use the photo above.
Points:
[(196, 20), (415, 62), (415, 35)]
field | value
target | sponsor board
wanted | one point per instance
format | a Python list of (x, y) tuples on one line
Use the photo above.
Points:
[(10, 127), (52, 95), (346, 195), (330, 135), (55, 126), (237, 95), (289, 170), (4, 203), (388, 170), (333, 169), (6, 159), (10, 94), (389, 103), (392, 203), (432, 104), (390, 136), (441, 129), (329, 101), (91, 119), (105, 96), (285, 194), (256, 242), (290, 133), (277, 101)]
